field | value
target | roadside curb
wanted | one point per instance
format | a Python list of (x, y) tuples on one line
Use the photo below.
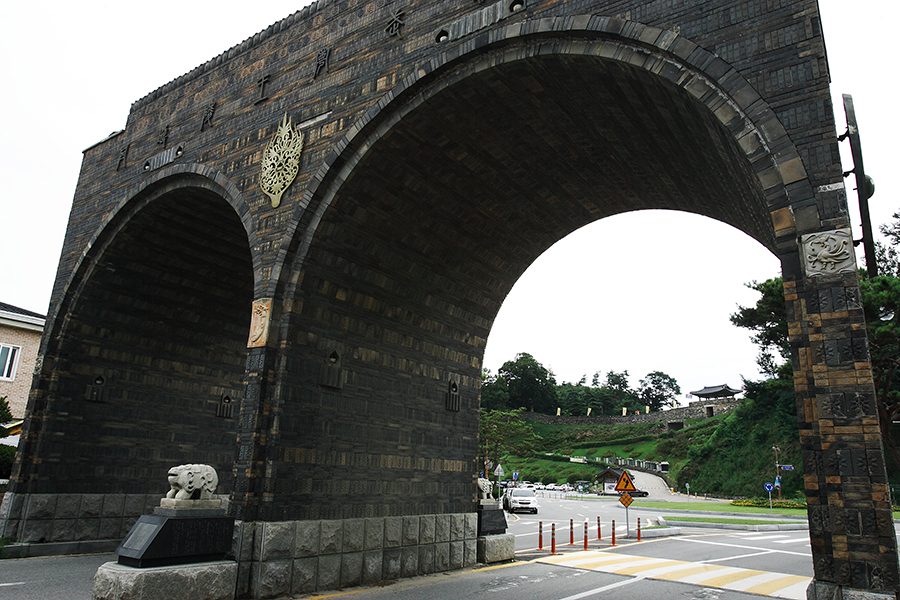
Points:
[(745, 527)]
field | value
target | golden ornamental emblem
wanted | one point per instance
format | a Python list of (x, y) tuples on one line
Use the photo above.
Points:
[(281, 161)]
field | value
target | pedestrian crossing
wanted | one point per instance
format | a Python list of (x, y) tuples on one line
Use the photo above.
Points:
[(778, 585)]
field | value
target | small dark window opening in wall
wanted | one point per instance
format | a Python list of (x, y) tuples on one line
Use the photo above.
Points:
[(330, 373), (96, 391), (516, 5), (453, 400), (225, 408), (442, 36), (709, 411)]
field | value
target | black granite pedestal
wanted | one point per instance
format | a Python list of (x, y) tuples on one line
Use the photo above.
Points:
[(491, 518), (177, 537)]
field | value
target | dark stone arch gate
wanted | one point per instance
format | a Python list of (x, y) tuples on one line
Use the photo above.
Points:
[(446, 145)]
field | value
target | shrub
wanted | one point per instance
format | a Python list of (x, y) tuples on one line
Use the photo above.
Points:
[(7, 454), (764, 502)]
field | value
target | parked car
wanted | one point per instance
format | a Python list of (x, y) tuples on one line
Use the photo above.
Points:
[(520, 499), (637, 493)]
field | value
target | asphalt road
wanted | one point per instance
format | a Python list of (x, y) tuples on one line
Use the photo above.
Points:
[(632, 570), (50, 578)]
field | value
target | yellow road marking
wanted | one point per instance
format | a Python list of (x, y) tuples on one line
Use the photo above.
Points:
[(675, 575), (724, 580), (649, 567), (775, 585), (716, 576)]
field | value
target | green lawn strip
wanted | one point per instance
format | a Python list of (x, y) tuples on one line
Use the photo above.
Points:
[(684, 519), (718, 507)]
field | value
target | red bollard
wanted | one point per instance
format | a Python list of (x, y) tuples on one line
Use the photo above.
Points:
[(614, 532), (585, 534), (639, 529), (553, 539), (571, 532), (540, 535), (599, 536)]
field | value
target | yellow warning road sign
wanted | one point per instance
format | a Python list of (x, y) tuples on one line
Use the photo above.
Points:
[(625, 484), (625, 499)]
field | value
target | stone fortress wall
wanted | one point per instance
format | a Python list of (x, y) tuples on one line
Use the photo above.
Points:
[(695, 410)]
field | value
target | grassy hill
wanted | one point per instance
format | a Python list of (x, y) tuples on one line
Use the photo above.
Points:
[(728, 455)]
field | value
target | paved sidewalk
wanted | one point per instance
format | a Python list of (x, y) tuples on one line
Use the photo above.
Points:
[(50, 577)]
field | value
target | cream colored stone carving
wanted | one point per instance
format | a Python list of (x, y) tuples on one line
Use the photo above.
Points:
[(485, 486), (828, 252), (192, 482), (281, 161), (259, 323)]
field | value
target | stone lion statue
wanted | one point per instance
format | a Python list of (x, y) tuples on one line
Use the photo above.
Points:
[(192, 482), (486, 488)]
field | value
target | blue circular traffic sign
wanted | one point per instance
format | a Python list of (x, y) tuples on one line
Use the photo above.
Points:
[(769, 487)]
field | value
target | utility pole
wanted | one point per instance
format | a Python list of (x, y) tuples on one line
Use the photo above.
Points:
[(865, 187)]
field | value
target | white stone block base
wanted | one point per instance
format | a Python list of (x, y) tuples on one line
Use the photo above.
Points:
[(496, 548), (199, 581)]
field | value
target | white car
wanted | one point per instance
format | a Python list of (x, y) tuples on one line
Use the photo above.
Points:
[(520, 499)]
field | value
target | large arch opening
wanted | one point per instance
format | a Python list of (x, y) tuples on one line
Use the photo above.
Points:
[(151, 356), (685, 275), (426, 231)]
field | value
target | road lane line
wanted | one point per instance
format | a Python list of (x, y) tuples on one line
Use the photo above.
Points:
[(752, 554), (696, 541), (605, 588)]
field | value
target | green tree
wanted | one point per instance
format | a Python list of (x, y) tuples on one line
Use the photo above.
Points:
[(531, 385), (881, 304), (494, 391), (886, 256), (768, 320), (658, 391), (618, 393), (5, 413), (504, 432)]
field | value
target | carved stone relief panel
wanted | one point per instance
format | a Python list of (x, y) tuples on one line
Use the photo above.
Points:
[(259, 323), (828, 252)]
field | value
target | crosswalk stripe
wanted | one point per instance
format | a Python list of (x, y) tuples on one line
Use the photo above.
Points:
[(752, 581), (775, 585)]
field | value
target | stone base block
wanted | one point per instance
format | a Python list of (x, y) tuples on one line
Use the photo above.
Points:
[(200, 581), (824, 590), (173, 503), (496, 548)]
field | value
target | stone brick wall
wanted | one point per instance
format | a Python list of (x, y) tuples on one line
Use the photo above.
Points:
[(48, 518), (302, 557), (694, 410)]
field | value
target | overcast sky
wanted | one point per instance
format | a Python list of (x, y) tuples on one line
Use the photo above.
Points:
[(72, 70)]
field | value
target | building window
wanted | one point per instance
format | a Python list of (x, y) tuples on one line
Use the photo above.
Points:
[(8, 356)]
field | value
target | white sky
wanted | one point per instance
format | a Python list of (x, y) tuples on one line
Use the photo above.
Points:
[(72, 69)]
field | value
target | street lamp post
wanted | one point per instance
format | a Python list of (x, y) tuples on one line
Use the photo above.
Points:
[(778, 484)]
